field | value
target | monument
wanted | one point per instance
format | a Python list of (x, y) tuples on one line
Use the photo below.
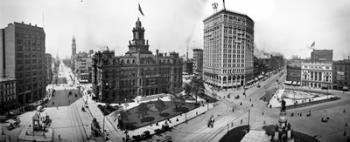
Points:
[(283, 131), (39, 130)]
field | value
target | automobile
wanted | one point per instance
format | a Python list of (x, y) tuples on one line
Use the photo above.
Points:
[(13, 124)]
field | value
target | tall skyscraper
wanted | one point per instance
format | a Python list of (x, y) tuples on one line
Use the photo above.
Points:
[(198, 61), (23, 58), (228, 49)]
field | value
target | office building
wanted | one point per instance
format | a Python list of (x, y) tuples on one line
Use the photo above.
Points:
[(23, 59), (228, 49), (321, 55)]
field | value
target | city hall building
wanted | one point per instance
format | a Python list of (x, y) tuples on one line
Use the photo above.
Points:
[(137, 73), (228, 49)]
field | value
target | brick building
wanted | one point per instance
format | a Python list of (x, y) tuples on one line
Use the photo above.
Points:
[(323, 55), (8, 98), (294, 71), (341, 74), (83, 66), (49, 71), (198, 61)]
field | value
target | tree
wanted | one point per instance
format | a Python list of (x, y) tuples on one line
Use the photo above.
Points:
[(197, 87), (142, 109), (160, 105), (175, 100), (187, 88)]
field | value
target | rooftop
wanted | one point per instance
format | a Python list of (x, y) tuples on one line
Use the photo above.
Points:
[(228, 12)]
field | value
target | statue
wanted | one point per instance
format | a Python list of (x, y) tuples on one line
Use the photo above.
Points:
[(283, 106)]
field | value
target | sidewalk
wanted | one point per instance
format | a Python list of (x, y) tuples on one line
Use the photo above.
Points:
[(115, 134), (181, 119)]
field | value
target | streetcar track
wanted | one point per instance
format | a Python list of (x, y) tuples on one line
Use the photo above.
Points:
[(78, 120)]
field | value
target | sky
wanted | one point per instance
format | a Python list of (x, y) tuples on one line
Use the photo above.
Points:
[(281, 26)]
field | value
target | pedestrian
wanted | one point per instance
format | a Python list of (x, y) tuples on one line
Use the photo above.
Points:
[(59, 137)]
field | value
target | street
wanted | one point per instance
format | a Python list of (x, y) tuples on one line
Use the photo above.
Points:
[(261, 115)]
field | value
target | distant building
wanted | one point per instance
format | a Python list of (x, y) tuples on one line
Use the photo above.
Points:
[(294, 71), (228, 49), (198, 61), (22, 54), (267, 64), (341, 74), (276, 62), (74, 54), (137, 73), (83, 66), (261, 66), (8, 98), (321, 55), (49, 71), (316, 74), (187, 67)]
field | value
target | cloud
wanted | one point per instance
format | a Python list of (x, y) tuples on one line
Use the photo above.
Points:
[(280, 25)]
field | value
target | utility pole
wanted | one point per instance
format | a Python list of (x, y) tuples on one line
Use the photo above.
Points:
[(249, 118)]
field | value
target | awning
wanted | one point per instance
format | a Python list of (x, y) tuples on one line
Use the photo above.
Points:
[(287, 82)]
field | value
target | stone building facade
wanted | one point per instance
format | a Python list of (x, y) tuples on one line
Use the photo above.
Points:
[(137, 73), (22, 53), (316, 74), (228, 49)]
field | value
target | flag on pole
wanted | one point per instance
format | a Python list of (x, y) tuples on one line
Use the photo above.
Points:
[(141, 10), (313, 44), (224, 4)]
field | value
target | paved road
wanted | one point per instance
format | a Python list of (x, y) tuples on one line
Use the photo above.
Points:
[(69, 121), (197, 129)]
